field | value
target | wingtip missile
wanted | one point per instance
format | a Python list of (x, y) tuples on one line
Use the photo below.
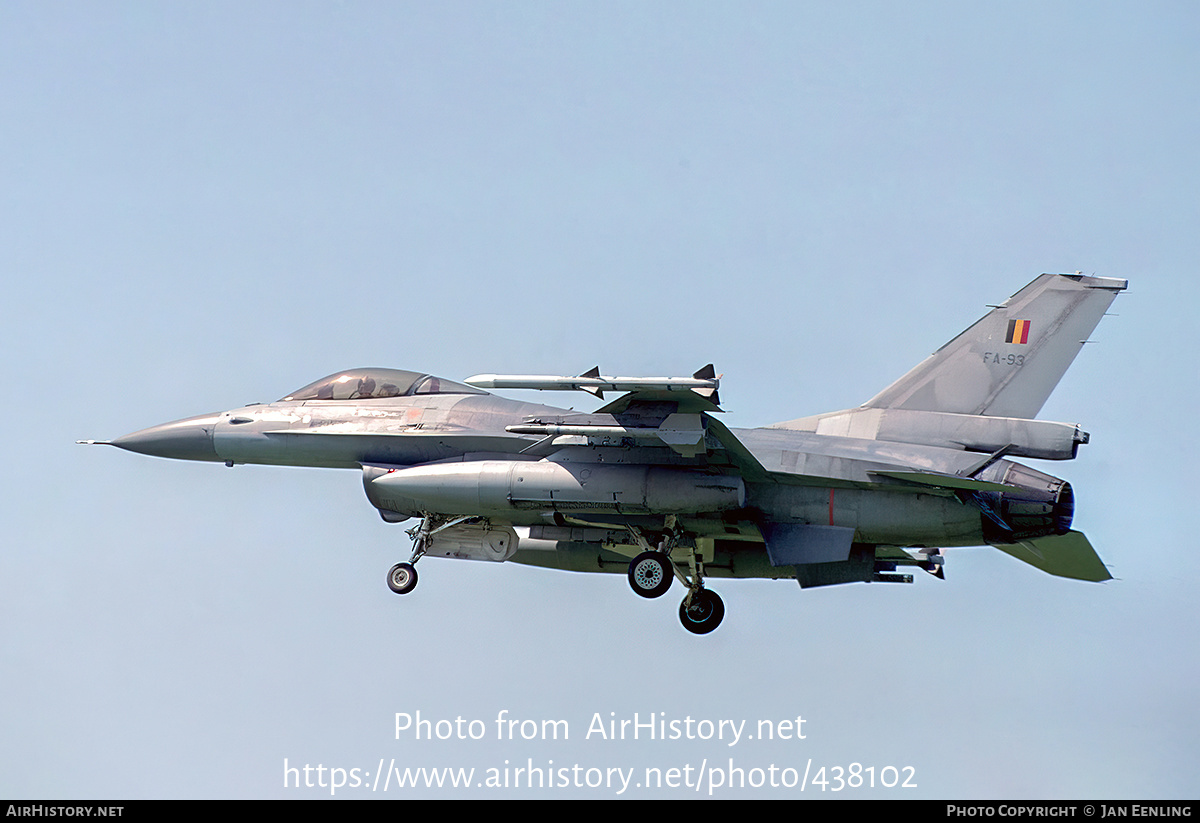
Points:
[(594, 383)]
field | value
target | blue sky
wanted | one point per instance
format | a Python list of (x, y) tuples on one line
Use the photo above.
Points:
[(211, 205)]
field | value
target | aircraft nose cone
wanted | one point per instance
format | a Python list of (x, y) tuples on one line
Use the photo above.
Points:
[(187, 439)]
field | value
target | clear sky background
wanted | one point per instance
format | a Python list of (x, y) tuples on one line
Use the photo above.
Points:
[(207, 205)]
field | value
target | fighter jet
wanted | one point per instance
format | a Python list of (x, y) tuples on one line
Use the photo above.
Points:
[(654, 486)]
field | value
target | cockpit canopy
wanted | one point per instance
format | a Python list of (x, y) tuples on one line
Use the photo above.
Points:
[(373, 384)]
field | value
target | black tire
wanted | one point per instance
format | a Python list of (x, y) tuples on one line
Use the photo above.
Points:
[(705, 614), (650, 574), (402, 578)]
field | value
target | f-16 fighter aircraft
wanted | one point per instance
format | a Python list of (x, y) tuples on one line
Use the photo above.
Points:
[(653, 485)]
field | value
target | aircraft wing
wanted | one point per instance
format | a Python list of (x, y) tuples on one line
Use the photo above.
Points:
[(670, 418), (652, 411)]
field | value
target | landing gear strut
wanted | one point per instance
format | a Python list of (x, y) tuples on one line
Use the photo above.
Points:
[(651, 572), (702, 610)]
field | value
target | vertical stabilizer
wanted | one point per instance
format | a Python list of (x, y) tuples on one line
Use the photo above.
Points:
[(1007, 364)]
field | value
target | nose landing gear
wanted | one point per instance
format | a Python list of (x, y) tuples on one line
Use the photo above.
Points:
[(402, 577)]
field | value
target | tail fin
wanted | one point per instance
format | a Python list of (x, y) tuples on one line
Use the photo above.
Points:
[(1007, 364)]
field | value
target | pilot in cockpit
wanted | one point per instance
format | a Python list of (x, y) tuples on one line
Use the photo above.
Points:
[(366, 387)]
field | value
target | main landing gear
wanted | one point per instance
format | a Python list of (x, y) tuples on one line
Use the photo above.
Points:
[(701, 611), (402, 577), (651, 573)]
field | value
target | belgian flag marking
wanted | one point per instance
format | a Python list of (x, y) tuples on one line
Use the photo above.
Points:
[(1018, 331)]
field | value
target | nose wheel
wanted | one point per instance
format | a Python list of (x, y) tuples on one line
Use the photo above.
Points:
[(402, 578)]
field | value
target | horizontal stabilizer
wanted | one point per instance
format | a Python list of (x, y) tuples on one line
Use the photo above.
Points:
[(1064, 555)]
